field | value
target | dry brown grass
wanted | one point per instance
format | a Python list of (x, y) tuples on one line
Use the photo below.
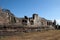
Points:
[(44, 35)]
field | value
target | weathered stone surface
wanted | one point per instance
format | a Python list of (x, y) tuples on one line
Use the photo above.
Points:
[(6, 16)]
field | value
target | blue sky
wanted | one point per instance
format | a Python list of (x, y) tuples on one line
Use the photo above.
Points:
[(49, 9)]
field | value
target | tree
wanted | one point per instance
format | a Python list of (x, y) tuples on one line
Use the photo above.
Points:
[(54, 23)]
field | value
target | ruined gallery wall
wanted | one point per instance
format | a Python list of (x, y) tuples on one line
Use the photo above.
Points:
[(6, 17)]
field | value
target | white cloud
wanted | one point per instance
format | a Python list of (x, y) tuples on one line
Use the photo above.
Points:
[(58, 21)]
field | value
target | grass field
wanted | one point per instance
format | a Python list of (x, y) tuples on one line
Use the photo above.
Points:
[(44, 35)]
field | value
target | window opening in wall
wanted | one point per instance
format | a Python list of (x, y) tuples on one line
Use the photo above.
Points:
[(24, 22), (32, 23)]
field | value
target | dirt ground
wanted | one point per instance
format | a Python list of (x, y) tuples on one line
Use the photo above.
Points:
[(44, 35)]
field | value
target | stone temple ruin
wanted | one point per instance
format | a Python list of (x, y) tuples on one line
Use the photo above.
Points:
[(9, 21)]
